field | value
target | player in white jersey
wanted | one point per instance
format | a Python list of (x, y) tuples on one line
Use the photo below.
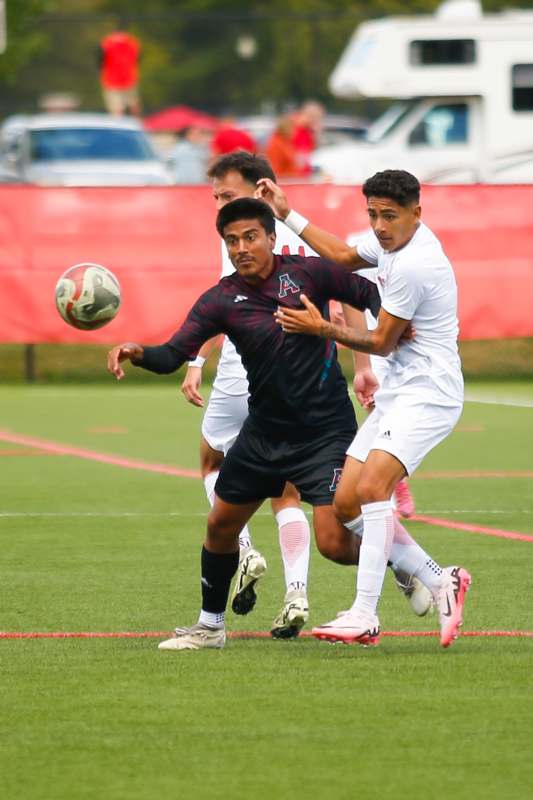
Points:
[(416, 406), (234, 176)]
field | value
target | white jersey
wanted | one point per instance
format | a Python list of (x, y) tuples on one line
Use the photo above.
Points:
[(417, 283), (231, 376)]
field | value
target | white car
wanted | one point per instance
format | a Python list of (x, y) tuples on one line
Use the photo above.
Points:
[(78, 149)]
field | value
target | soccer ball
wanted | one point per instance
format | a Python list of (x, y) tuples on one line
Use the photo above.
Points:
[(88, 296)]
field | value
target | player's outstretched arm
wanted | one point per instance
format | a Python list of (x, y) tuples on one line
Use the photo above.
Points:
[(381, 341), (322, 242), (123, 352)]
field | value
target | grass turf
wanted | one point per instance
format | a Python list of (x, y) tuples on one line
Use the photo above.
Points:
[(89, 546)]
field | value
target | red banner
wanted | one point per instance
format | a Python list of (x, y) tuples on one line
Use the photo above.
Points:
[(162, 244)]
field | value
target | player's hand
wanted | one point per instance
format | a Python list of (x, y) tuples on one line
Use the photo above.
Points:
[(270, 193), (122, 352), (408, 335), (308, 321), (365, 384), (191, 385)]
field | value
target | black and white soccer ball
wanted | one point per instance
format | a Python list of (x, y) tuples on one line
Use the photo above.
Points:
[(88, 296)]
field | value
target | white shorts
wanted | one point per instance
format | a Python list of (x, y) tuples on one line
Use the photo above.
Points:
[(408, 427), (223, 419)]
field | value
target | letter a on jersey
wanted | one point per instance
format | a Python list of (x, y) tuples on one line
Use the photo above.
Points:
[(286, 285)]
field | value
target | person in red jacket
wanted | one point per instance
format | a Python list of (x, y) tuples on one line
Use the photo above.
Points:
[(119, 72), (281, 152)]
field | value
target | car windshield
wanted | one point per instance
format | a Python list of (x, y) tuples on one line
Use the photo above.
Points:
[(76, 144), (388, 121)]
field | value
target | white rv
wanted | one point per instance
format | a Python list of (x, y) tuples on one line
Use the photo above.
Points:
[(462, 82)]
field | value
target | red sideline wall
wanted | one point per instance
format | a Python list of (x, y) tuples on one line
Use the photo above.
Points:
[(162, 244)]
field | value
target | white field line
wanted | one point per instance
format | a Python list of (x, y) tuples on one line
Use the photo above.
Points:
[(160, 514)]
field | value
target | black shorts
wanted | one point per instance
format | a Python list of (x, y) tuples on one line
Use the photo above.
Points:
[(258, 465)]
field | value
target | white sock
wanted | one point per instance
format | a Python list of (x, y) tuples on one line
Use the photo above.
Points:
[(294, 542), (209, 483), (211, 620), (378, 519), (355, 526), (406, 555)]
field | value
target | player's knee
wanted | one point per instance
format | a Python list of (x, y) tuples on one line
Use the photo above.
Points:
[(220, 530), (345, 507), (210, 460), (372, 490)]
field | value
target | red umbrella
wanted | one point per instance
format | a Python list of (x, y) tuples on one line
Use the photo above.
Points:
[(178, 117)]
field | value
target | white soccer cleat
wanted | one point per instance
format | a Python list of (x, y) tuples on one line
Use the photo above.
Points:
[(292, 617), (417, 594), (252, 566), (450, 600), (349, 627), (196, 637)]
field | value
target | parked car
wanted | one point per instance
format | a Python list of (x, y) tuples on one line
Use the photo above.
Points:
[(78, 149)]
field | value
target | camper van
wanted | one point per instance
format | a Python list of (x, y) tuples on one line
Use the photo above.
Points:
[(461, 83)]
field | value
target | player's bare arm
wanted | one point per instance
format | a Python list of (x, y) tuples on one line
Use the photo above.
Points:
[(193, 377), (365, 383), (324, 243), (381, 341), (129, 351)]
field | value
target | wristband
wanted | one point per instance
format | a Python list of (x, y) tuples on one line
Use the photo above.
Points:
[(295, 222), (199, 361)]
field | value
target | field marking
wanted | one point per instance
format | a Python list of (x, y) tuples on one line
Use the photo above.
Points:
[(61, 449), (472, 397), (93, 455), (465, 526), (461, 474), (200, 514), (230, 634)]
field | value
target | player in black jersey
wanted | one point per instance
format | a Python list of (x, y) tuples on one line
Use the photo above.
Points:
[(301, 419)]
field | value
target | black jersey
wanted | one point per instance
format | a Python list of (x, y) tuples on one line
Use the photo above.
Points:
[(295, 381)]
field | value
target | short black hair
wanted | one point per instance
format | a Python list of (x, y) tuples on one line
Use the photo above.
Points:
[(252, 167), (395, 184), (246, 208)]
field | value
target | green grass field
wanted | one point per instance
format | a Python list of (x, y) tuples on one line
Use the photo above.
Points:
[(88, 546)]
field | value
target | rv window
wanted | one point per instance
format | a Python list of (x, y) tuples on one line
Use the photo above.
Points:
[(522, 87), (442, 51), (441, 126)]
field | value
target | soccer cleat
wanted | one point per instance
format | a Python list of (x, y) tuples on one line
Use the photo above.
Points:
[(349, 627), (292, 617), (450, 599), (405, 505), (196, 637), (252, 566), (419, 597)]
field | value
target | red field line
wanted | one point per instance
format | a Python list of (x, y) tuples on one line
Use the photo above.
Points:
[(119, 461), (443, 474), (92, 455), (466, 526), (231, 634)]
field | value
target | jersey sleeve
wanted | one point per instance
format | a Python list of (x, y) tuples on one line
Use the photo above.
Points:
[(368, 247), (403, 291), (333, 282)]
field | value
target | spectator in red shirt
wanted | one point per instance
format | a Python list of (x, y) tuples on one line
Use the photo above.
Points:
[(229, 138), (119, 72), (307, 127)]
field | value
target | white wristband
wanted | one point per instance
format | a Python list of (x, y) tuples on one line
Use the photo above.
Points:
[(199, 361), (296, 222)]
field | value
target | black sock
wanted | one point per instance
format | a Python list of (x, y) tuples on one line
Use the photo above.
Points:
[(217, 571)]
